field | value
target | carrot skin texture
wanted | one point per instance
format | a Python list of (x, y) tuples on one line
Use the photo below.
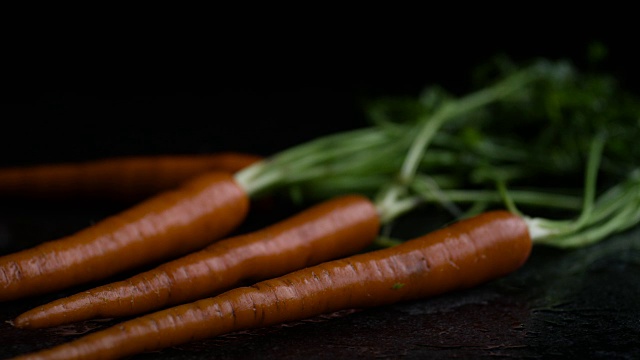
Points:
[(165, 226), (338, 227), (462, 255), (124, 178)]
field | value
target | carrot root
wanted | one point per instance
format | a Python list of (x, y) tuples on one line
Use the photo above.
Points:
[(462, 255)]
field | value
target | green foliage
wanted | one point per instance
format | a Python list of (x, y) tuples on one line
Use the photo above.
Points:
[(565, 132)]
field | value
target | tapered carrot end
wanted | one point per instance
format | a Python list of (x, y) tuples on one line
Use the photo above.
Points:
[(30, 319), (59, 312), (39, 318), (22, 322)]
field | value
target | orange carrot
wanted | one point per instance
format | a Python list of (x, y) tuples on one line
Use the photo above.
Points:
[(462, 255), (338, 227), (123, 178), (165, 226)]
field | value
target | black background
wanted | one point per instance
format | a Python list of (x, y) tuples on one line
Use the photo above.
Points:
[(261, 93)]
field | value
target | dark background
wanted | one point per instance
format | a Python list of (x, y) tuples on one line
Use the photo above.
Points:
[(260, 95)]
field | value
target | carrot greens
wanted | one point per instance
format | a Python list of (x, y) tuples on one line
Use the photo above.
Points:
[(538, 141), (525, 140)]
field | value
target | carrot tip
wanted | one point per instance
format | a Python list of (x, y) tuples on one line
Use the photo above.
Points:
[(20, 324)]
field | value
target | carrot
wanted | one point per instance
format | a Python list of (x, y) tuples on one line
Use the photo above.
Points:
[(164, 226), (334, 228), (462, 255), (123, 178)]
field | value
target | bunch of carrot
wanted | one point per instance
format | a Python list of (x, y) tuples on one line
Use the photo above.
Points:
[(308, 264)]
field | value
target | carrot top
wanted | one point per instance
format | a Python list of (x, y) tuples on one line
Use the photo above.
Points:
[(565, 141), (615, 210)]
